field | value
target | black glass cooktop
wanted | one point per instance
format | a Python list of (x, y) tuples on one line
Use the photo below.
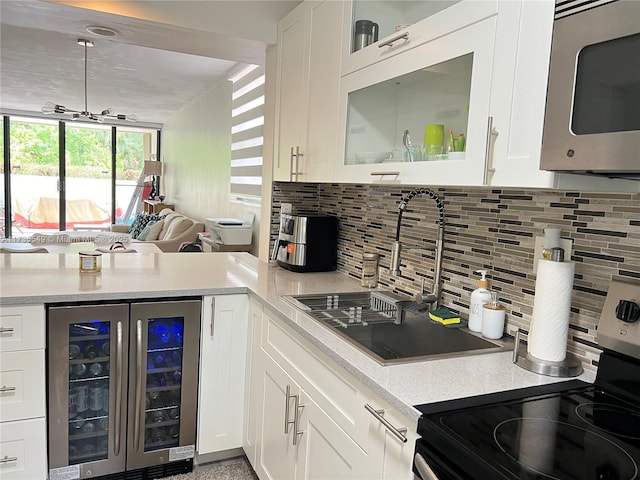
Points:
[(582, 434)]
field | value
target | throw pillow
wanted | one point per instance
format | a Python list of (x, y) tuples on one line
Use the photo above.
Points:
[(177, 228), (167, 223), (140, 222), (154, 230), (145, 231)]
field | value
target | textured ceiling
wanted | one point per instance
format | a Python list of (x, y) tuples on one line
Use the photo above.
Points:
[(166, 55)]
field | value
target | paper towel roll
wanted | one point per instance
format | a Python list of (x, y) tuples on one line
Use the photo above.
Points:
[(551, 310)]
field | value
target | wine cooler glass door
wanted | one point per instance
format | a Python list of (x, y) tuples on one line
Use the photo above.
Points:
[(87, 383), (163, 382), (164, 364)]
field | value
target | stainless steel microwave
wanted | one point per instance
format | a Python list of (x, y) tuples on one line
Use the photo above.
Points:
[(592, 116)]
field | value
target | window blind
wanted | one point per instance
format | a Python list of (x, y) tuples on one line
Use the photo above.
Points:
[(247, 122)]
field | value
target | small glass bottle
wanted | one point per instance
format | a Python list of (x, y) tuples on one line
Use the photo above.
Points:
[(370, 270)]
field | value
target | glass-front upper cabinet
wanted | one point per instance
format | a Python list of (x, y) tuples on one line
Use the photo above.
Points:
[(421, 116), (377, 29)]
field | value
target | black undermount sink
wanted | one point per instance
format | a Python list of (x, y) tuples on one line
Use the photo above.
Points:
[(390, 330)]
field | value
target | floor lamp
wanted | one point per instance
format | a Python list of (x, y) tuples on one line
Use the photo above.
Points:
[(154, 169)]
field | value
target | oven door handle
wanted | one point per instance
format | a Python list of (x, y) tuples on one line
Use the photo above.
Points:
[(425, 471)]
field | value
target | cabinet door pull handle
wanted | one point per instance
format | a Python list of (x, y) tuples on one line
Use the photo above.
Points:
[(288, 396), (293, 167), (298, 155), (117, 420), (296, 419), (491, 133), (7, 459), (425, 471), (382, 174), (213, 314), (391, 41), (4, 388), (6, 330), (138, 385), (397, 432)]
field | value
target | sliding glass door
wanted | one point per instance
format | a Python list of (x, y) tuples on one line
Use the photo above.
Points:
[(87, 173), (34, 173), (72, 176)]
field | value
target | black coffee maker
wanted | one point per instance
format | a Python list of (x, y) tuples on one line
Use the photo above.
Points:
[(366, 33)]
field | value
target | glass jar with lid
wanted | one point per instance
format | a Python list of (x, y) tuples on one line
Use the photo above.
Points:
[(370, 270)]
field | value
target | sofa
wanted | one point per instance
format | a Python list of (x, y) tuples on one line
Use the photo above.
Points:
[(167, 229)]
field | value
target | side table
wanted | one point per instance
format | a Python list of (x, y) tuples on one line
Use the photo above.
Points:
[(155, 206)]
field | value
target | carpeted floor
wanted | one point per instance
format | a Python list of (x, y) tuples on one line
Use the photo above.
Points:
[(232, 469)]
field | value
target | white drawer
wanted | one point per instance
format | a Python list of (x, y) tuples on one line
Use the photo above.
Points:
[(23, 450), (22, 385), (22, 327)]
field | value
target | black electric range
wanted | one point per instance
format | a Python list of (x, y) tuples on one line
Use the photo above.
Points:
[(568, 430)]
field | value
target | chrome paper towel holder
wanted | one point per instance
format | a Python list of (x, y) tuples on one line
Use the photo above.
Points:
[(569, 367)]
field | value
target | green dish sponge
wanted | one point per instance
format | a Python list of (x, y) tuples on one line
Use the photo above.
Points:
[(444, 316)]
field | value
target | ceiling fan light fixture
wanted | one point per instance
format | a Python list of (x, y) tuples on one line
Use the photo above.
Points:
[(51, 108)]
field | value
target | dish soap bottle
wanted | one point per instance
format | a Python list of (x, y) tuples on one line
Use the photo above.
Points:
[(479, 297)]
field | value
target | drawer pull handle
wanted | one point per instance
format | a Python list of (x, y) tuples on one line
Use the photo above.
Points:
[(7, 459), (4, 388), (391, 41), (6, 330), (397, 432), (393, 173)]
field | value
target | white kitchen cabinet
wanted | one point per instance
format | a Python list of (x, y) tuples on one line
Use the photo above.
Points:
[(223, 353), (299, 440), (252, 382), (23, 447), (376, 122), (277, 455), (338, 437), (307, 86)]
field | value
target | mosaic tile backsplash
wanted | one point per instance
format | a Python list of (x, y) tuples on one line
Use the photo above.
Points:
[(492, 229)]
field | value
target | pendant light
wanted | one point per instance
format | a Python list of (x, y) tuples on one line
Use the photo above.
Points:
[(51, 108)]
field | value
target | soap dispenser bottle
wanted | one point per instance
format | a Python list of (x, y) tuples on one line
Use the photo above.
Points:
[(479, 297)]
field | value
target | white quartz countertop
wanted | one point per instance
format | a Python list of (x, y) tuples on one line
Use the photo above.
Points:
[(51, 278)]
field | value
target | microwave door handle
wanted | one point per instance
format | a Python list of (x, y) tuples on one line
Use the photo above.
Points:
[(424, 470)]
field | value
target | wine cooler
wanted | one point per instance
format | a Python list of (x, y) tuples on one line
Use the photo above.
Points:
[(122, 382)]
